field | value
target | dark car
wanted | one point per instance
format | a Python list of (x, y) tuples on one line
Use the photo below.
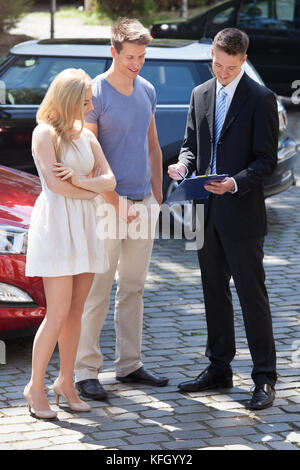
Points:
[(173, 68), (273, 27), (22, 299)]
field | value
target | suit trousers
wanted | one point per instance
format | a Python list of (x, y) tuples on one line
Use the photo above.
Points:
[(220, 259), (129, 259)]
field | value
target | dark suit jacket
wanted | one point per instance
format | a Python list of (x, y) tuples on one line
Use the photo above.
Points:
[(247, 151)]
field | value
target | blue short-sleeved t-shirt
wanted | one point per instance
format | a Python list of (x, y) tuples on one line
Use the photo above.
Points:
[(123, 123)]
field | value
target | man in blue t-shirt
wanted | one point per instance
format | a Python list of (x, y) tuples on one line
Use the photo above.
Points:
[(123, 121)]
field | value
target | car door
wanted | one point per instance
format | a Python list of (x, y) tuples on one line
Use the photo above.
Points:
[(273, 27)]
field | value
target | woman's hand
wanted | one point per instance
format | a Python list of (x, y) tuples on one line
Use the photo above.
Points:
[(97, 171), (65, 173)]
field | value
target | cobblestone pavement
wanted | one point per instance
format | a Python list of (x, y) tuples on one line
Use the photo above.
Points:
[(141, 417)]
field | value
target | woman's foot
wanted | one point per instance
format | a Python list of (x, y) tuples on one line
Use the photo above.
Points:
[(38, 404), (69, 393)]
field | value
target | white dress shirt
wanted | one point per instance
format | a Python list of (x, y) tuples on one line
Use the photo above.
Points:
[(229, 89)]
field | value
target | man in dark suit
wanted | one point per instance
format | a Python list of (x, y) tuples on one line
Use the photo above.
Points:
[(232, 128)]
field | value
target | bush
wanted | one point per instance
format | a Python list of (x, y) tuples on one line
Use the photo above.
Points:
[(10, 12), (141, 8), (131, 8), (166, 5)]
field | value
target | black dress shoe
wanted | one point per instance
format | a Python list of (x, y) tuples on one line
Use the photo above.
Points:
[(142, 376), (263, 397), (207, 380), (91, 388)]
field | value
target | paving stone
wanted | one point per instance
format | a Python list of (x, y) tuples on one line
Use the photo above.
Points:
[(245, 447), (271, 428), (265, 438), (157, 437), (31, 444), (235, 431), (140, 447), (282, 446), (183, 445), (293, 437)]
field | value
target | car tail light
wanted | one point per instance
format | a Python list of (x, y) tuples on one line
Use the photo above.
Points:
[(22, 137), (19, 137)]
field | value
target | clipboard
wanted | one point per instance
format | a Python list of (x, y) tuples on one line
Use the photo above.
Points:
[(193, 188)]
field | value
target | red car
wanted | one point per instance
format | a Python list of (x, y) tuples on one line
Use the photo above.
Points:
[(22, 300)]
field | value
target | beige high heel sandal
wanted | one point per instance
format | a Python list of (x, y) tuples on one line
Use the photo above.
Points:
[(43, 414), (81, 406)]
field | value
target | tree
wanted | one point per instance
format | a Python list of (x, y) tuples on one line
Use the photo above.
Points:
[(116, 8), (10, 12), (184, 9), (89, 6)]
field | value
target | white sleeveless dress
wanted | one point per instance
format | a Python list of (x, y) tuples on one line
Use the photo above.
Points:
[(62, 237)]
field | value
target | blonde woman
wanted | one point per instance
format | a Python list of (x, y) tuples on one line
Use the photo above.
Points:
[(63, 247)]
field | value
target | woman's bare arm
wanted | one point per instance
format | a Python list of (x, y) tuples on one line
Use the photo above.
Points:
[(45, 154)]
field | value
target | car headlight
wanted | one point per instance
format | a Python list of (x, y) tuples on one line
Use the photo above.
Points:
[(10, 293), (13, 240)]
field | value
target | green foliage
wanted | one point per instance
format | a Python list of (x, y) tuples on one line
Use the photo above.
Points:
[(10, 12), (130, 8), (165, 5), (144, 9)]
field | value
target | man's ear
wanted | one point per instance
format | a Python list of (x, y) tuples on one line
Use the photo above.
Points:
[(244, 59)]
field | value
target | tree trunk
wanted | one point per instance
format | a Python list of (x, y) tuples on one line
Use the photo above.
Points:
[(89, 6), (184, 9), (52, 13)]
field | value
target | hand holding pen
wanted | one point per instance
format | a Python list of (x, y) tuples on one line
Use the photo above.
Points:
[(177, 171)]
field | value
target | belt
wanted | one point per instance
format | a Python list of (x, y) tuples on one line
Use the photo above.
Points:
[(135, 200)]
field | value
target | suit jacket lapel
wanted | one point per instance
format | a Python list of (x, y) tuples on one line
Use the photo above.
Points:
[(238, 100), (209, 99)]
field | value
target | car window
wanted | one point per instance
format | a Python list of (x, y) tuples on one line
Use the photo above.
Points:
[(3, 58), (175, 80), (223, 17), (267, 14), (27, 80)]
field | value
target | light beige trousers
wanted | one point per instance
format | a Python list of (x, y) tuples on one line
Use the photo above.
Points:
[(129, 258)]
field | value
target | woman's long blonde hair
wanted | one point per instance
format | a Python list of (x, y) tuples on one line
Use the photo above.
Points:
[(58, 107)]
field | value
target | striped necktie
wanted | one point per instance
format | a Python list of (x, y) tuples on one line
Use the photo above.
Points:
[(219, 121)]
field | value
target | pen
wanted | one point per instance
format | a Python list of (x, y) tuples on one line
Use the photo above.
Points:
[(182, 176)]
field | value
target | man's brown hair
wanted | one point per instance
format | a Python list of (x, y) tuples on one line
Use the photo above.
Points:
[(129, 30), (233, 41)]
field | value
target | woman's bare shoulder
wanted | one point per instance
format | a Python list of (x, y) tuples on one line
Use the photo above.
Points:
[(89, 134), (42, 131)]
